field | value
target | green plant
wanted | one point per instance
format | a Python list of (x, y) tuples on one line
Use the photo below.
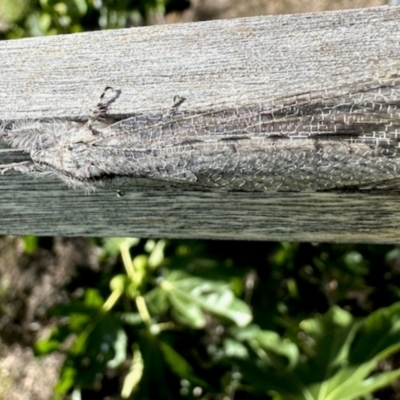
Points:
[(129, 329), (334, 359), (169, 323), (49, 17)]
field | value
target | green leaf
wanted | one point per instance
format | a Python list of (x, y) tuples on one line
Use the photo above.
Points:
[(190, 296), (330, 337), (156, 253), (274, 345), (269, 346), (341, 352), (185, 311), (379, 332), (157, 301), (46, 346), (93, 298), (233, 348), (101, 343), (30, 244), (52, 343), (12, 11), (134, 375), (66, 381), (120, 350), (112, 246), (177, 363), (131, 318)]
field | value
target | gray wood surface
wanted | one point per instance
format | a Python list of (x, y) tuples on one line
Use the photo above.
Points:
[(217, 62)]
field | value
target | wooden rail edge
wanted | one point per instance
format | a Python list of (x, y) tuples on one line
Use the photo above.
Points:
[(208, 62)]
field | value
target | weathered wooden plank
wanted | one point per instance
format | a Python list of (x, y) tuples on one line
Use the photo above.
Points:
[(211, 62)]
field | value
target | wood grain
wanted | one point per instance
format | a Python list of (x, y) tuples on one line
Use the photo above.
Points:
[(209, 62)]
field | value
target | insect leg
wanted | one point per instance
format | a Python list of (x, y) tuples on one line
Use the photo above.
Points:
[(99, 112)]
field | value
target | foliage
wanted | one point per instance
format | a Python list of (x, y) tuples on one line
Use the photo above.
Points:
[(120, 329), (21, 18), (340, 353), (175, 325)]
